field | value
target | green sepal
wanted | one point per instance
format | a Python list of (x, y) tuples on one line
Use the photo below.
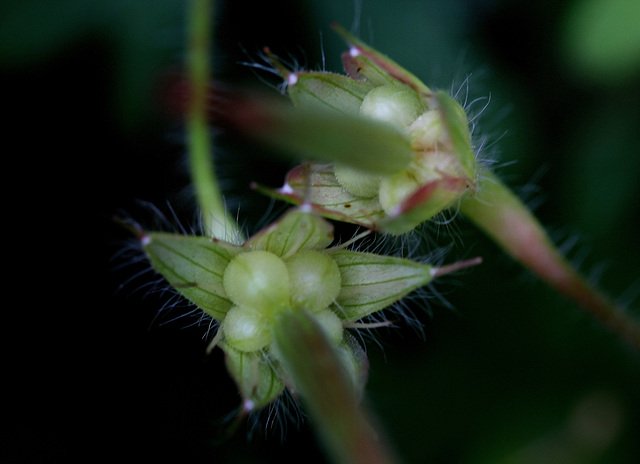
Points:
[(194, 266), (332, 201), (254, 374), (363, 69), (362, 61), (308, 88), (318, 182), (295, 198), (454, 119), (424, 203), (297, 230), (333, 91), (373, 282)]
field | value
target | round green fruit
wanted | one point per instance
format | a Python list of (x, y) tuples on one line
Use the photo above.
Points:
[(246, 329), (314, 280), (258, 280)]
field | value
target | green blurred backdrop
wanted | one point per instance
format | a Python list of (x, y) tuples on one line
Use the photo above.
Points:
[(510, 373)]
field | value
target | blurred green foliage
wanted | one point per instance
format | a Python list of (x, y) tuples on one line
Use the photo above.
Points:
[(601, 40), (513, 374)]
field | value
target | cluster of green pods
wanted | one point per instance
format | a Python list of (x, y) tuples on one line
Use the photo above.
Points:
[(287, 267)]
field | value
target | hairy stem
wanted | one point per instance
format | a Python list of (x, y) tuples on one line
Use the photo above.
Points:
[(216, 220), (504, 218), (340, 419)]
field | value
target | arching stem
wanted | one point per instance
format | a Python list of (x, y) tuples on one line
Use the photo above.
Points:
[(504, 218), (217, 222)]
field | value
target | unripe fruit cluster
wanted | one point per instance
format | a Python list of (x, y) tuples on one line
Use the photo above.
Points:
[(261, 285), (406, 110)]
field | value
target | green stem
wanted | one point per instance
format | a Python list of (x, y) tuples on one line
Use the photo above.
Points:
[(504, 218), (216, 220), (341, 422)]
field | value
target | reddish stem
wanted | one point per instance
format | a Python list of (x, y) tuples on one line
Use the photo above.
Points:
[(504, 218), (454, 267)]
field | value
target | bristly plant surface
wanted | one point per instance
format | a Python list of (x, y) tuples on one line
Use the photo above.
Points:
[(379, 149), (386, 152)]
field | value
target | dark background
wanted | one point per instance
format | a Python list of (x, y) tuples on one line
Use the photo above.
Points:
[(510, 373)]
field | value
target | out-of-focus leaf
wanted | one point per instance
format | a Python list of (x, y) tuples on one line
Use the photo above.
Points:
[(320, 134), (602, 39)]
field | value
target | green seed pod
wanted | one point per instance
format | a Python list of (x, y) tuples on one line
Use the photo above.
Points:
[(314, 280), (246, 329), (283, 280), (258, 280), (395, 104), (255, 375), (372, 282), (426, 132), (331, 324)]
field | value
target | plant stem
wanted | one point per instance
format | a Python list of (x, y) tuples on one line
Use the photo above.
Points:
[(340, 420), (216, 220), (504, 218)]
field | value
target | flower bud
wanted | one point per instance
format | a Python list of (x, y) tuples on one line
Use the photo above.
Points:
[(331, 324)]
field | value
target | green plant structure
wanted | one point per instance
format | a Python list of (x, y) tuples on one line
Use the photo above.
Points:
[(378, 149)]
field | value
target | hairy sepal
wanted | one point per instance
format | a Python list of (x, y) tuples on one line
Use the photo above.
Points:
[(424, 203), (255, 374), (193, 266), (457, 130), (373, 282), (319, 183), (362, 62), (333, 91), (442, 168), (297, 230)]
